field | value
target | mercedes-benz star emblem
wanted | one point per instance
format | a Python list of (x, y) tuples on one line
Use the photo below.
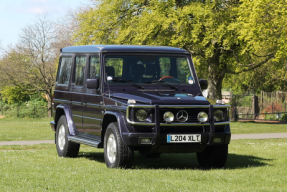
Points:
[(182, 116)]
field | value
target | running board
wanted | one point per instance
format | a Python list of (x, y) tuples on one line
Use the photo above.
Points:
[(81, 140)]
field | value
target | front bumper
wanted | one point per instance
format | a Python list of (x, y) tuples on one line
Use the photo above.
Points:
[(160, 139)]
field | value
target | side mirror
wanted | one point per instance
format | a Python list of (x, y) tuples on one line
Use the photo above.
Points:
[(203, 83), (93, 83)]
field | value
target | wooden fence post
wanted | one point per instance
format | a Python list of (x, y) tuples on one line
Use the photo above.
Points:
[(17, 111), (34, 111)]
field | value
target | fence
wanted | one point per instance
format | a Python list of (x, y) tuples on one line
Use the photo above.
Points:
[(266, 106), (24, 111)]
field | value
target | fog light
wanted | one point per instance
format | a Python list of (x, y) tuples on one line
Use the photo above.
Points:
[(218, 115), (145, 141), (217, 140), (202, 117), (168, 116)]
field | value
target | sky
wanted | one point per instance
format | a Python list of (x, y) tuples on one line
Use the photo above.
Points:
[(17, 14)]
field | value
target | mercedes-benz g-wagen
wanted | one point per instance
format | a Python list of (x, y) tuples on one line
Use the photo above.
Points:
[(127, 98)]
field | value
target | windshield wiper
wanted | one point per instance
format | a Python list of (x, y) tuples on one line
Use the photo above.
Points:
[(127, 81), (161, 82)]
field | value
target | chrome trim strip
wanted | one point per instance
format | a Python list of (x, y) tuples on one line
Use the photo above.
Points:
[(183, 106), (140, 123), (222, 123), (76, 115), (60, 100), (93, 105), (177, 124), (92, 118), (184, 124)]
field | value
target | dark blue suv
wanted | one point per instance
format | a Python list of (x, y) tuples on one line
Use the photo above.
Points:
[(136, 98)]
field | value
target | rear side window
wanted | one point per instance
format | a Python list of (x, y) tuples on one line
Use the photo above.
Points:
[(80, 70), (94, 71), (65, 70)]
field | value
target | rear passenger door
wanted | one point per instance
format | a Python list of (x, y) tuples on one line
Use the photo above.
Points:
[(92, 99), (76, 91), (61, 91)]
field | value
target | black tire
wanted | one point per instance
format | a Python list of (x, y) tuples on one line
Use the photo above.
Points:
[(117, 155), (213, 156), (64, 147)]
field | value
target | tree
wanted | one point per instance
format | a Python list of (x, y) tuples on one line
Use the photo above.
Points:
[(262, 25), (205, 28), (32, 62)]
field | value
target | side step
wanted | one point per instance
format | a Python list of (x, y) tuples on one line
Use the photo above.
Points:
[(87, 141)]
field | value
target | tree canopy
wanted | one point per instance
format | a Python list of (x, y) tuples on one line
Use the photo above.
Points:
[(218, 33)]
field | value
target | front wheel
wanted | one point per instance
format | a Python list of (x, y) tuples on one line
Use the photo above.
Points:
[(64, 147), (116, 153), (213, 156)]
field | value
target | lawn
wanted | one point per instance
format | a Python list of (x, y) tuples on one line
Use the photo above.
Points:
[(253, 165), (250, 127), (17, 129)]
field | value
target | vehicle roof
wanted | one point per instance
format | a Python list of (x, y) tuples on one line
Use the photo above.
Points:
[(122, 48)]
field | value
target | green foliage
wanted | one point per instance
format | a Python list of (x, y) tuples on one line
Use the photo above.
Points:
[(13, 95), (224, 37), (36, 107), (284, 117)]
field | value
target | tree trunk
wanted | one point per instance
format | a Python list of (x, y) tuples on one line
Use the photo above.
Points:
[(215, 76)]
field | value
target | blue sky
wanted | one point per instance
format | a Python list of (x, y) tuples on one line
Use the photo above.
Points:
[(16, 14)]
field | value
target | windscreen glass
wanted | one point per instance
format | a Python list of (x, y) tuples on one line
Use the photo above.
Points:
[(147, 69)]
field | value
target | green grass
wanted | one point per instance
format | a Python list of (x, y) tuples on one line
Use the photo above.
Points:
[(250, 127), (253, 165), (17, 129)]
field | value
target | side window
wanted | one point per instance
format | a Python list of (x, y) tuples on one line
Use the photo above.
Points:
[(80, 70), (65, 70), (94, 70)]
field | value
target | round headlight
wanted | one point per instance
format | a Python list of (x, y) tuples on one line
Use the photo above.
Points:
[(218, 115), (168, 116), (202, 117), (141, 115)]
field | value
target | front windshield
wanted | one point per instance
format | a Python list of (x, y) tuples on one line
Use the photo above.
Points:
[(147, 69)]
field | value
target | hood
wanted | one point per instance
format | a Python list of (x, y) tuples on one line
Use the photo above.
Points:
[(163, 98)]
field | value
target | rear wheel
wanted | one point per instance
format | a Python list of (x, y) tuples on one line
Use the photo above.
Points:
[(64, 147), (116, 153), (213, 156)]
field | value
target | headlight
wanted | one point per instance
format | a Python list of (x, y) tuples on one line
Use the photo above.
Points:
[(218, 115), (141, 115), (202, 117), (168, 116)]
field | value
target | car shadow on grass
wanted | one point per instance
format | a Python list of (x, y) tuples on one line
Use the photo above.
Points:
[(183, 161)]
